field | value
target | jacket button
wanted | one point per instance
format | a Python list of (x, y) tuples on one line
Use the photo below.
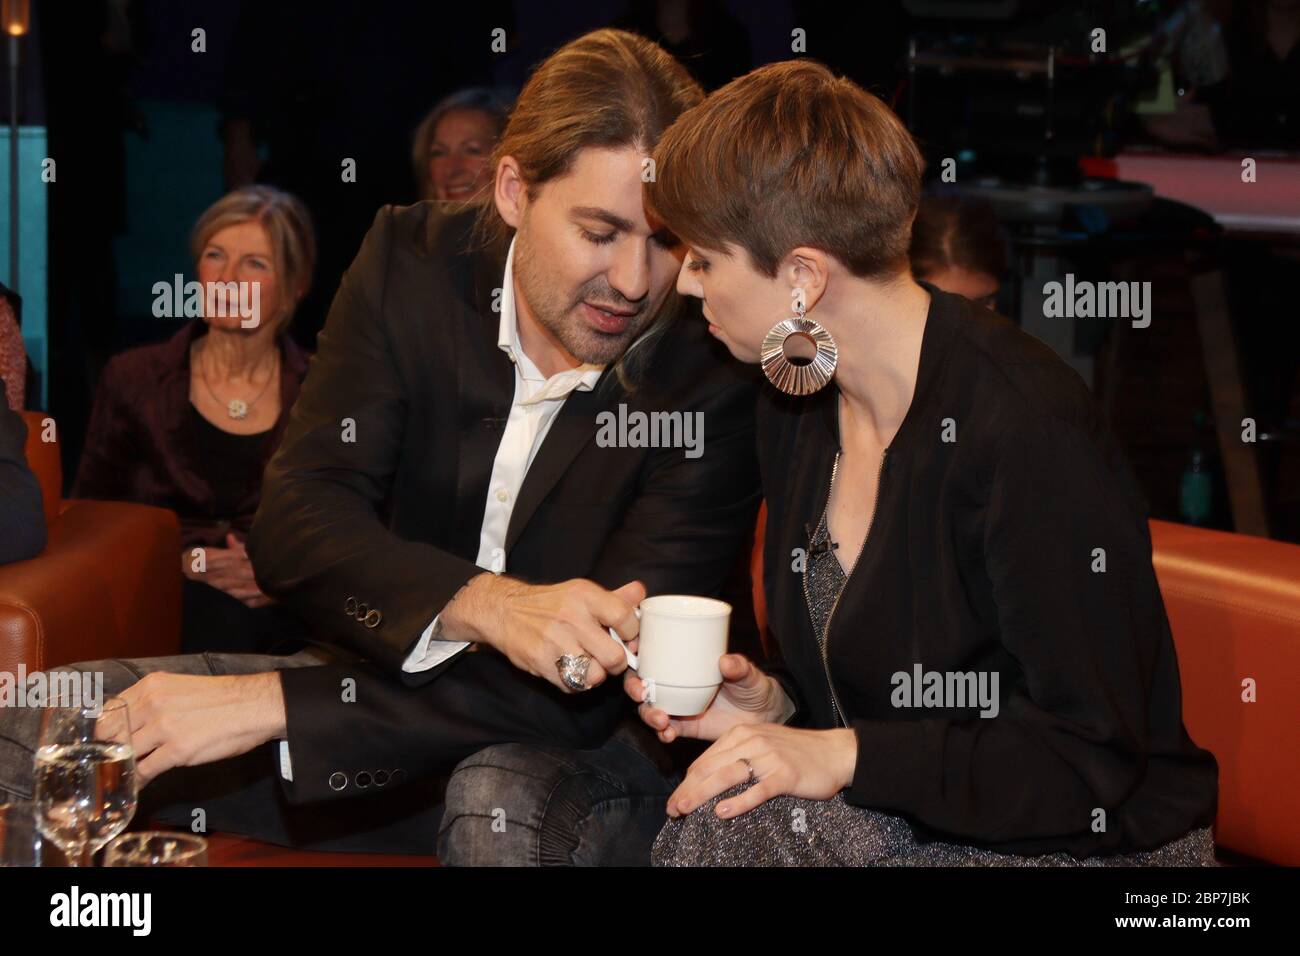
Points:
[(398, 778), (362, 611), (363, 780), (350, 606), (381, 777), (373, 618), (338, 780)]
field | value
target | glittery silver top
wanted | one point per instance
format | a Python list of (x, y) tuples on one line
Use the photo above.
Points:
[(824, 579)]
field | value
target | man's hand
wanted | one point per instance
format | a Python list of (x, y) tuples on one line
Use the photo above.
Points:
[(227, 569), (181, 720), (534, 625)]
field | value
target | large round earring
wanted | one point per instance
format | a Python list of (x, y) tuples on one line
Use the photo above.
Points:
[(810, 376)]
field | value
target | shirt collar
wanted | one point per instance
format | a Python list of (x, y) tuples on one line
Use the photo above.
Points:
[(583, 378)]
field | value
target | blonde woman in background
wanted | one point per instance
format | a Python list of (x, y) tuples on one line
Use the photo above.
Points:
[(190, 423), (452, 150)]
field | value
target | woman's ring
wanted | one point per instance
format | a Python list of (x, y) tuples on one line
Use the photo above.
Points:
[(750, 767)]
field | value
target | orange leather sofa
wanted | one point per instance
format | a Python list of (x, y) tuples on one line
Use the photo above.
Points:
[(1234, 607), (108, 583)]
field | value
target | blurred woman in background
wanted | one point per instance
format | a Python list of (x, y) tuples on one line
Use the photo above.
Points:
[(190, 423), (453, 144), (957, 246)]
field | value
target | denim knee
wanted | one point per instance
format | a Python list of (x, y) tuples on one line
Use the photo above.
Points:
[(519, 805)]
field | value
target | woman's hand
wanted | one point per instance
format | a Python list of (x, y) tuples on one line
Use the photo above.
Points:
[(747, 696), (227, 569), (813, 764)]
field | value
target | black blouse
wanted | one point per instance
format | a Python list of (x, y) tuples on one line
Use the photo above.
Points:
[(230, 463), (1010, 541), (143, 443)]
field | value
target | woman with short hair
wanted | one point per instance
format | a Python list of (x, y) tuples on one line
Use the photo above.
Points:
[(974, 664)]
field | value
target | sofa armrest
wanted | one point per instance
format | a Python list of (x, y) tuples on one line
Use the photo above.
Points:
[(108, 584), (1234, 607), (44, 461)]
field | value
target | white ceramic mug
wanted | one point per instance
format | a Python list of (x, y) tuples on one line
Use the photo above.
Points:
[(682, 637)]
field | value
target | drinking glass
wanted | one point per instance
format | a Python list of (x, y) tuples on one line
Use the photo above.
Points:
[(85, 777)]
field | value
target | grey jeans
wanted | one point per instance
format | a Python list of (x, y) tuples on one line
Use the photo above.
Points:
[(524, 805), (508, 805)]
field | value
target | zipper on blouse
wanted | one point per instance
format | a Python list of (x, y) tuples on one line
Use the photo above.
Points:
[(825, 633)]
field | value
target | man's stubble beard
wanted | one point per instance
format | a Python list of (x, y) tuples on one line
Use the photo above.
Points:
[(557, 312)]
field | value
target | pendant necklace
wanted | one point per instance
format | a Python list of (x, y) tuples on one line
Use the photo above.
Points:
[(236, 408)]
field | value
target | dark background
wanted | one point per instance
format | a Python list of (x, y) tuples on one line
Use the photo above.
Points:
[(136, 120)]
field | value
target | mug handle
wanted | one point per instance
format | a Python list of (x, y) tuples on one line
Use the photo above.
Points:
[(631, 658)]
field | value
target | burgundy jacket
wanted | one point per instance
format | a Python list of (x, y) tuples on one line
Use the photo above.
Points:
[(140, 444)]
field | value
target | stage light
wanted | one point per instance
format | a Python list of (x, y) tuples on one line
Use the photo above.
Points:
[(16, 15)]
